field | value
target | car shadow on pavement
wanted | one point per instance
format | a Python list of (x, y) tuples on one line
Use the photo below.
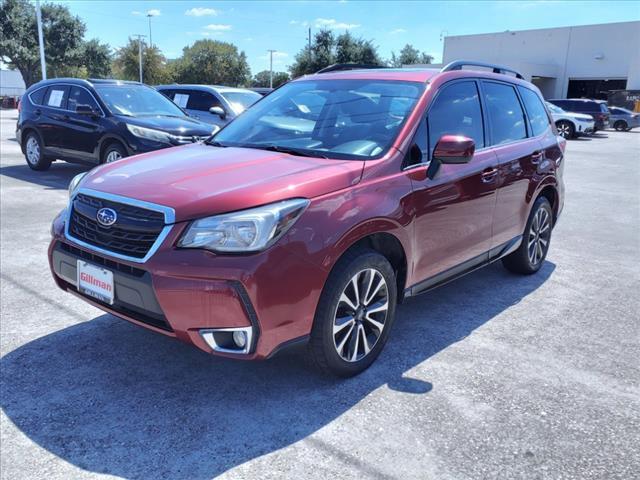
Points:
[(113, 398), (56, 178)]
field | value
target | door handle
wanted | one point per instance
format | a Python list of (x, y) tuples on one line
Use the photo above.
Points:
[(489, 174), (537, 156)]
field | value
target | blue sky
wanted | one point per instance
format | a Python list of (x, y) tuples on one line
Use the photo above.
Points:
[(257, 26)]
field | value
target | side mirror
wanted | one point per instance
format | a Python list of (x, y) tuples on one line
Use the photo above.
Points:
[(218, 111), (85, 110), (454, 149)]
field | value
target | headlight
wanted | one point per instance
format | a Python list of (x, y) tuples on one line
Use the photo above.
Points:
[(75, 183), (245, 231), (149, 133)]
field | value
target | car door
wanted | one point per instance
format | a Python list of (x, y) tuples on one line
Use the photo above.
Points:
[(83, 132), (454, 209), (51, 122), (519, 154)]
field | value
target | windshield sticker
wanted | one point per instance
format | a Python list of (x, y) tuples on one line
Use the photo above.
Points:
[(181, 100), (55, 99)]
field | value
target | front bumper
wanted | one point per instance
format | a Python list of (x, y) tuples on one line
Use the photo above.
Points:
[(186, 293)]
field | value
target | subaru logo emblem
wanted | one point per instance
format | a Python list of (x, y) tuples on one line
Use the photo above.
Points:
[(106, 216)]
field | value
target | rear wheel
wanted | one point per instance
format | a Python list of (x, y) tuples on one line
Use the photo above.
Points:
[(114, 152), (354, 315), (34, 153), (565, 129), (621, 126), (530, 256)]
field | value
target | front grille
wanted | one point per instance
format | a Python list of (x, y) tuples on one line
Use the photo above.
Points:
[(133, 234), (105, 262)]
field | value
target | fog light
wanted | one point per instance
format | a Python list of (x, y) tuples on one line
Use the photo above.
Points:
[(239, 338)]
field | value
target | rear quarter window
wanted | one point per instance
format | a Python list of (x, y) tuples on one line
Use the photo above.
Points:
[(37, 96), (506, 117)]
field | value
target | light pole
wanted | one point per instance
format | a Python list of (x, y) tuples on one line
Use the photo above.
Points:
[(270, 68), (150, 41), (41, 41), (140, 37)]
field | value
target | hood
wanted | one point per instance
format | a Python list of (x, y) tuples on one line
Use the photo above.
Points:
[(181, 126), (199, 180)]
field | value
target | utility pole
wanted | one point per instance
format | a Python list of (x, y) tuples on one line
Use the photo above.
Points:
[(309, 43), (150, 41), (140, 37), (41, 41), (270, 68)]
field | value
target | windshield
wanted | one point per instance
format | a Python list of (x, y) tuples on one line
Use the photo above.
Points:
[(356, 119), (554, 108), (133, 100), (240, 101)]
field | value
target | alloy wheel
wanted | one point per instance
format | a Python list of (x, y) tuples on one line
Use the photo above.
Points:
[(113, 155), (563, 130), (33, 151), (360, 315), (539, 235)]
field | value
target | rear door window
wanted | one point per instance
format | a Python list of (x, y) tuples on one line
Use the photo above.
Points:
[(56, 96), (456, 111), (506, 116), (80, 96), (535, 110), (198, 100)]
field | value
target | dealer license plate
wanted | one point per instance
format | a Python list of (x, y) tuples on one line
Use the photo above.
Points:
[(96, 282)]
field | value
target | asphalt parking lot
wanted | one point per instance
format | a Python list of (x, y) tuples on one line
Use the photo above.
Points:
[(492, 376)]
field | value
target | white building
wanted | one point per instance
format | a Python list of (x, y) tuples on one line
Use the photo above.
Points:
[(567, 62), (11, 83)]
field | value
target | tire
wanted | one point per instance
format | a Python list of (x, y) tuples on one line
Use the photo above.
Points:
[(537, 234), (566, 129), (34, 153), (620, 126), (114, 152), (345, 341)]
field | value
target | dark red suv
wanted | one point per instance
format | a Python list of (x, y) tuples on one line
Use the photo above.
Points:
[(310, 216)]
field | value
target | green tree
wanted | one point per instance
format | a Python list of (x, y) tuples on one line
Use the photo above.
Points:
[(328, 49), (62, 33), (213, 62), (154, 66), (96, 58), (410, 56), (261, 79)]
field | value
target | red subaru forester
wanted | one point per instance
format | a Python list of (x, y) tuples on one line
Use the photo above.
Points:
[(310, 216)]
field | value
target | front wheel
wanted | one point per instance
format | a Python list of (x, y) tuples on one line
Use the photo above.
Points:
[(529, 257), (113, 153), (354, 315), (565, 129), (620, 126)]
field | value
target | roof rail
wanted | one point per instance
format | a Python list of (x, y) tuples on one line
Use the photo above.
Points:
[(458, 64), (336, 67)]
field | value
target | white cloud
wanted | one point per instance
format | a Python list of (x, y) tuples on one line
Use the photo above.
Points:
[(218, 27), (202, 12), (136, 12), (276, 55), (397, 31), (154, 12), (298, 22), (332, 23)]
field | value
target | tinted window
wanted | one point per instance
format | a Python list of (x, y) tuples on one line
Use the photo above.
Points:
[(579, 106), (240, 101), (456, 111), (80, 96), (562, 104), (201, 101), (331, 118), (535, 110), (56, 96), (38, 96), (505, 113)]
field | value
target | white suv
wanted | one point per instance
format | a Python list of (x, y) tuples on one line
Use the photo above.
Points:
[(570, 124)]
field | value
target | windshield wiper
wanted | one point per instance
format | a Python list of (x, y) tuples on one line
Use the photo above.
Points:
[(289, 150), (215, 143)]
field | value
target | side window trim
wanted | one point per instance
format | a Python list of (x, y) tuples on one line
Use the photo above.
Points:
[(70, 85)]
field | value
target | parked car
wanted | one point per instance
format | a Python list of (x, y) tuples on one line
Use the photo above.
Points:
[(212, 104), (569, 124), (596, 108), (273, 233), (99, 121), (624, 120)]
